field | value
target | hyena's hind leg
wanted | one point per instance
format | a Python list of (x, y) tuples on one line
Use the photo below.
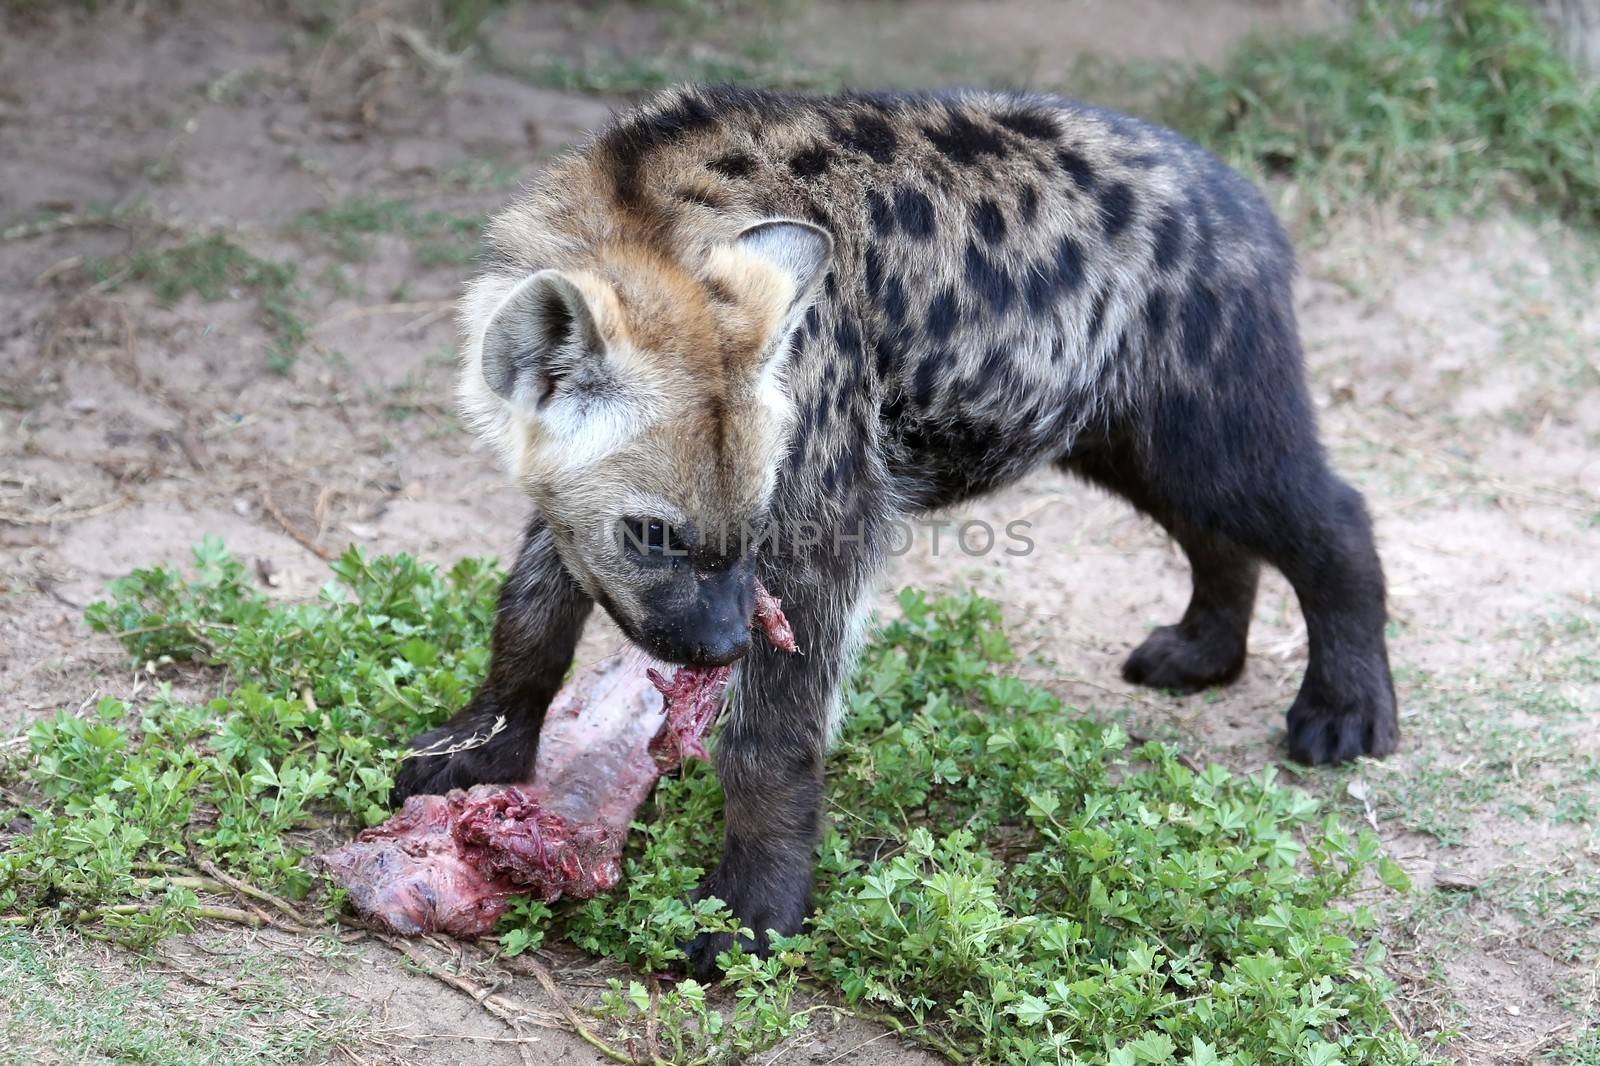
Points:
[(1295, 514), (1207, 645), (1346, 706), (1229, 448)]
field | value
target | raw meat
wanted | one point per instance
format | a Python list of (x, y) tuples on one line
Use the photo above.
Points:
[(770, 620), (450, 863)]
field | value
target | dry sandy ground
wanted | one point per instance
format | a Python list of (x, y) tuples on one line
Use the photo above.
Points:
[(1457, 364)]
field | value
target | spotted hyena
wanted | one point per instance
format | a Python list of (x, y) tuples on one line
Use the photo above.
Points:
[(744, 310)]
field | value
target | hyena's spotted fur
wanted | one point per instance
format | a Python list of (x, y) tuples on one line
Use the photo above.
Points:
[(1006, 281)]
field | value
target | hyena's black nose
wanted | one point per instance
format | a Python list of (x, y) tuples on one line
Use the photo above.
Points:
[(721, 649)]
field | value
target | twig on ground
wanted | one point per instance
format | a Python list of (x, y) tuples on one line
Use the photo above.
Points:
[(50, 518), (511, 1013), (24, 230), (895, 1025), (351, 1055), (294, 531), (324, 498), (436, 59), (1395, 1017), (298, 923), (412, 307), (651, 1042), (424, 320), (220, 914), (548, 982)]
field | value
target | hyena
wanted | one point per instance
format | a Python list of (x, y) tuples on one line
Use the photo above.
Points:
[(735, 309)]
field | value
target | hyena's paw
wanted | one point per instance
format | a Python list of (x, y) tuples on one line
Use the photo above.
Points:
[(1326, 726), (461, 763), (1172, 659), (761, 906)]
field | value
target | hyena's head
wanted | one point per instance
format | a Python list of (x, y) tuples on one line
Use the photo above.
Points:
[(639, 400)]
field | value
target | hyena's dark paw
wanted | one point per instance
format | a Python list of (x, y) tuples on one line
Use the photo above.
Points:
[(1172, 659), (465, 759), (777, 908), (1326, 729)]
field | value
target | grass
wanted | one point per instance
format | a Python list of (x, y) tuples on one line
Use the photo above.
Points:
[(347, 230), (1504, 777), (216, 268), (758, 58), (57, 1006), (1583, 1050), (1439, 111), (1002, 881), (1504, 741)]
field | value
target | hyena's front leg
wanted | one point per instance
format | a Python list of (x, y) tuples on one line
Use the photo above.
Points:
[(493, 739), (769, 758)]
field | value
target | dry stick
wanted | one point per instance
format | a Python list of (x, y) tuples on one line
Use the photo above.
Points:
[(318, 68), (841, 1056), (324, 498), (424, 307), (221, 914), (47, 518), (26, 230), (651, 1043), (210, 868), (488, 999), (294, 531), (352, 1056), (437, 59), (218, 887), (548, 983), (183, 880), (1394, 1017)]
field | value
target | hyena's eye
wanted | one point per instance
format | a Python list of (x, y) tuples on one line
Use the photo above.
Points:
[(653, 538)]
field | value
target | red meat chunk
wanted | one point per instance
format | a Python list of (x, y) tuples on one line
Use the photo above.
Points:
[(450, 863)]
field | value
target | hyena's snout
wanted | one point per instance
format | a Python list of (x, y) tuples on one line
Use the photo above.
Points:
[(705, 620)]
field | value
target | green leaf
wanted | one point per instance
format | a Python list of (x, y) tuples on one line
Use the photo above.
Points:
[(1390, 873)]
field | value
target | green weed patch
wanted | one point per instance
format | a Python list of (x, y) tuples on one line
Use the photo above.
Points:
[(1438, 107), (1455, 108), (346, 229), (1001, 881), (215, 268)]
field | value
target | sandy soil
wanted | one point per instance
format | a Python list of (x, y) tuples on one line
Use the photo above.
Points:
[(1457, 365)]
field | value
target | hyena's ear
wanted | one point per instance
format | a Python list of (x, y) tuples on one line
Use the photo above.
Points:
[(799, 249), (542, 340)]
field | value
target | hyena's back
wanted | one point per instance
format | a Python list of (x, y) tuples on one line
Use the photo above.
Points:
[(1009, 269)]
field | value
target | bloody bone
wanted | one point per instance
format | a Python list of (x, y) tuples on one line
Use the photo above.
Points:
[(450, 863)]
